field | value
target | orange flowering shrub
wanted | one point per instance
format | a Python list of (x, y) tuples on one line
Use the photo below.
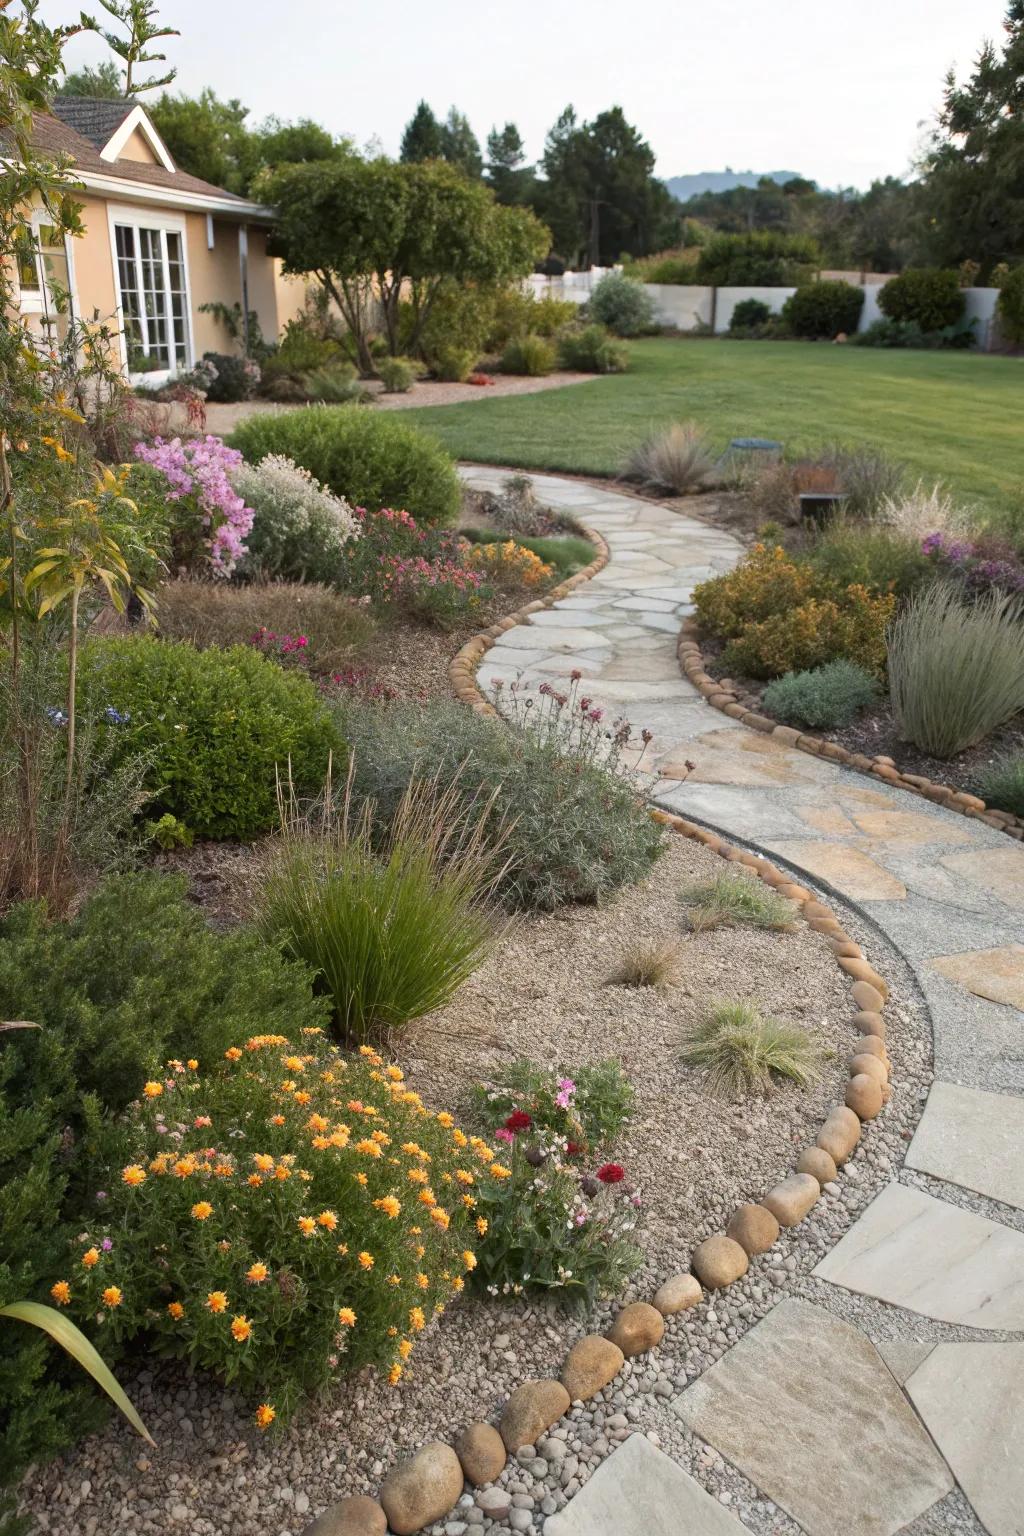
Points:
[(766, 582), (509, 565), (851, 626), (300, 1213)]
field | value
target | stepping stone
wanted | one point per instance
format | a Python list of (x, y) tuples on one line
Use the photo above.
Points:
[(909, 829), (971, 1397), (805, 1407), (999, 871), (639, 1491), (903, 1356), (932, 1258), (973, 1138), (850, 871), (997, 974), (531, 637)]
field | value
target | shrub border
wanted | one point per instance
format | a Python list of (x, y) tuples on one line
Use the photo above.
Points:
[(639, 1326), (727, 699)]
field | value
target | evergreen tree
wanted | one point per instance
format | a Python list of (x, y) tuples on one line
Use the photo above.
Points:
[(423, 138), (508, 175), (460, 145)]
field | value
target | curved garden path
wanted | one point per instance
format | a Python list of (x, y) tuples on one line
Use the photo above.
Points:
[(820, 1419)]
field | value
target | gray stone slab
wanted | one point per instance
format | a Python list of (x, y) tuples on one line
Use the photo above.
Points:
[(973, 1138), (805, 1407), (932, 1258), (639, 1491), (971, 1397), (903, 1356), (531, 637)]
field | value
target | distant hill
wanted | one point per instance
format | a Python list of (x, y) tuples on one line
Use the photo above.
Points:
[(683, 187)]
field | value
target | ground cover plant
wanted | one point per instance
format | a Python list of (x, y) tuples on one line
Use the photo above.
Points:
[(734, 899), (742, 1052), (822, 699), (949, 416), (369, 460), (564, 553)]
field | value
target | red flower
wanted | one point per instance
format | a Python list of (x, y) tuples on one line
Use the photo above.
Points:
[(611, 1173), (518, 1120), (573, 1149)]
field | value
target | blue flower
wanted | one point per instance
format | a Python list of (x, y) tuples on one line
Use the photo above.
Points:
[(115, 717), (56, 716)]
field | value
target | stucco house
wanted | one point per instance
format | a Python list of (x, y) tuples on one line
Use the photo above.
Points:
[(158, 244)]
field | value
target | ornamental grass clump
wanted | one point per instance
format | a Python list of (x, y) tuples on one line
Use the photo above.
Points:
[(389, 929), (280, 1216), (561, 1218), (676, 458), (1002, 785), (738, 900), (956, 667), (648, 963), (743, 1052)]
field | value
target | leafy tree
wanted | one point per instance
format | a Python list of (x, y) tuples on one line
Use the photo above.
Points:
[(974, 170), (367, 229), (423, 138), (138, 19), (102, 80), (208, 138), (508, 175), (281, 143), (460, 145)]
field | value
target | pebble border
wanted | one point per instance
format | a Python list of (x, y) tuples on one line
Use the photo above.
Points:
[(728, 700), (482, 1451)]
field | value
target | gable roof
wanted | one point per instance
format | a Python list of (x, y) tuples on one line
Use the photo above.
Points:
[(133, 180), (95, 119)]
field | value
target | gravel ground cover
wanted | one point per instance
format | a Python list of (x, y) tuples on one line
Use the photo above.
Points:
[(545, 993)]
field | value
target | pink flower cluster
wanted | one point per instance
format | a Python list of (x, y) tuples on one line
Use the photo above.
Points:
[(197, 473)]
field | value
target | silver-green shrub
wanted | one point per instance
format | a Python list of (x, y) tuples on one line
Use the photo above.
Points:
[(823, 698), (300, 528)]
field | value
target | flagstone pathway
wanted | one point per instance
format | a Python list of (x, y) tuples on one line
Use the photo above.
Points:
[(850, 1437)]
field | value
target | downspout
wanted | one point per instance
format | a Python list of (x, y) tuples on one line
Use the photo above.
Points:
[(243, 267)]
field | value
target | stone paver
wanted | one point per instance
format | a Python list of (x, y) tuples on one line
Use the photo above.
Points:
[(932, 1257), (973, 1138), (806, 1408), (971, 1397), (842, 1445), (639, 1491)]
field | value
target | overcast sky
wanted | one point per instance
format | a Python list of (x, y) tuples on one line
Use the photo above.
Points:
[(837, 92)]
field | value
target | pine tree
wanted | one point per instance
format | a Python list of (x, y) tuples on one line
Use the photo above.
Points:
[(460, 145), (423, 138), (507, 172)]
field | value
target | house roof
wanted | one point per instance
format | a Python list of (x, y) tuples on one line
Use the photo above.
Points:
[(82, 127)]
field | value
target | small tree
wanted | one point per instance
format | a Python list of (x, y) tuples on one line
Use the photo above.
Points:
[(372, 232), (423, 138), (138, 18)]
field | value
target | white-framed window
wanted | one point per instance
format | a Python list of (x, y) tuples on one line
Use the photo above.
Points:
[(151, 269), (46, 277)]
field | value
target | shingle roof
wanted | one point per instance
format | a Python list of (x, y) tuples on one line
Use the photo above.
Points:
[(95, 119), (60, 138)]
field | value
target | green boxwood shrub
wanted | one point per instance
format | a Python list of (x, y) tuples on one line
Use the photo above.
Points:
[(533, 356), (592, 349), (749, 313), (824, 309), (622, 304), (822, 699), (371, 459), (927, 296), (217, 726)]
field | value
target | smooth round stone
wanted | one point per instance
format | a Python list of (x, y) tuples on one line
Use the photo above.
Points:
[(533, 1407), (357, 1516), (637, 1328), (861, 970), (869, 1023), (868, 998), (754, 1227), (866, 1065), (816, 1162), (790, 1201), (422, 1489), (591, 1364), (677, 1295), (840, 1134), (718, 1261), (864, 1096), (481, 1451), (495, 1502), (873, 1045)]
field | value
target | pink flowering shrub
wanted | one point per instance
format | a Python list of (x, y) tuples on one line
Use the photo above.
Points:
[(289, 650), (424, 572), (212, 521)]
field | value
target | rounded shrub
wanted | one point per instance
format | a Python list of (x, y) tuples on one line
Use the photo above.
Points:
[(749, 313), (216, 727), (533, 356), (299, 529), (821, 699), (1010, 306), (927, 296), (622, 304), (371, 460), (592, 349), (824, 309)]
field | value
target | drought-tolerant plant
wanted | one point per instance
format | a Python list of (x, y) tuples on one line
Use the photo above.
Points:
[(977, 565), (878, 556), (398, 374), (565, 554), (956, 667), (218, 613), (230, 378), (552, 1224), (622, 304), (924, 510), (391, 930), (533, 356), (516, 509), (675, 458), (766, 581), (1001, 784), (591, 349), (211, 521), (824, 309), (370, 459), (648, 963), (420, 571), (509, 566), (850, 624), (866, 477), (308, 1220), (215, 727), (577, 829), (517, 312), (299, 529), (735, 900), (822, 699), (742, 1052), (927, 296)]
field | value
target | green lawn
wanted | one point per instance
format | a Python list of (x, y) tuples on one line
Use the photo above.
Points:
[(946, 415)]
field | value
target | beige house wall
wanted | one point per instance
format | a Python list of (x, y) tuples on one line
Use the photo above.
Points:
[(138, 147), (93, 262)]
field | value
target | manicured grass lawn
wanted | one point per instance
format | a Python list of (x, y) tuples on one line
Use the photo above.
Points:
[(946, 415)]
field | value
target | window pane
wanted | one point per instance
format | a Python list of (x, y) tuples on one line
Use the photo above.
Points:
[(176, 275), (131, 306), (154, 299), (28, 272)]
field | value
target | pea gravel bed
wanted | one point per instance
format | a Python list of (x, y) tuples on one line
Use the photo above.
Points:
[(545, 994)]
